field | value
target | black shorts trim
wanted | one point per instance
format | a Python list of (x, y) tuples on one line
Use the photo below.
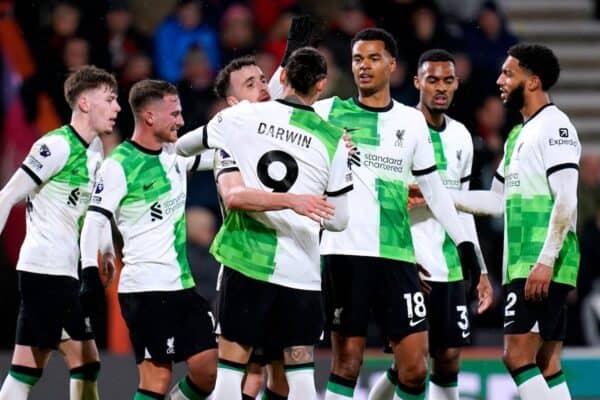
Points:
[(262, 314), (102, 211), (31, 174), (168, 326), (550, 314), (465, 179), (499, 177), (340, 192), (358, 288), (560, 167), (421, 172), (49, 305)]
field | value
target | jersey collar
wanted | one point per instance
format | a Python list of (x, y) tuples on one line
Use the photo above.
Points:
[(373, 109), (78, 136), (295, 105), (442, 128), (535, 114), (145, 150)]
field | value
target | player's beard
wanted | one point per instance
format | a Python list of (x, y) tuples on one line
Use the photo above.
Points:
[(515, 100)]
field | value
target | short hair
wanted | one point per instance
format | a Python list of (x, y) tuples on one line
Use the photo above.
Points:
[(86, 78), (305, 67), (223, 80), (148, 90), (378, 34), (435, 55), (539, 60)]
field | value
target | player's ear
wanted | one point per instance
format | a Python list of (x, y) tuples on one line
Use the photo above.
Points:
[(321, 85), (283, 77), (83, 103), (231, 100), (148, 117), (393, 64), (533, 83), (416, 82)]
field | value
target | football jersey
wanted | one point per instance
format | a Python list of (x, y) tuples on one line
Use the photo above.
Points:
[(434, 249), (145, 191), (394, 143), (281, 147), (545, 143), (64, 167)]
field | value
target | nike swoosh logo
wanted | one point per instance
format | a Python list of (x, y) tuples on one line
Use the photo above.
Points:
[(415, 323), (148, 186), (465, 334), (508, 323), (348, 130)]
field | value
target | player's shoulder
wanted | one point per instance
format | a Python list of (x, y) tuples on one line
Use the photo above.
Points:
[(553, 121), (52, 143), (457, 128), (405, 110)]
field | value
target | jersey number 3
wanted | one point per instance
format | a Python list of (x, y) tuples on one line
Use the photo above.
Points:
[(282, 184)]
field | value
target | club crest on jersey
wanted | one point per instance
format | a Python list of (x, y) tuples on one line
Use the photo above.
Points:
[(99, 186), (563, 132), (44, 151), (399, 138), (459, 154), (171, 345)]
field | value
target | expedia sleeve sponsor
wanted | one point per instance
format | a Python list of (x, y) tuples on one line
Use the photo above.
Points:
[(563, 142)]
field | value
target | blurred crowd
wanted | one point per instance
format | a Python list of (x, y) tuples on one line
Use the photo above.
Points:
[(187, 41)]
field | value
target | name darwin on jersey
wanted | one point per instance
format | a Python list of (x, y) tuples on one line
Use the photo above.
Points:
[(283, 134)]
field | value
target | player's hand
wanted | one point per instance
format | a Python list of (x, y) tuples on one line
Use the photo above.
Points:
[(423, 273), (485, 294), (108, 268), (299, 35), (415, 197), (353, 152), (538, 282), (91, 294), (470, 267), (316, 208)]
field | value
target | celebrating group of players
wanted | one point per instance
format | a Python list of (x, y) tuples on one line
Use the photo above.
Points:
[(334, 211)]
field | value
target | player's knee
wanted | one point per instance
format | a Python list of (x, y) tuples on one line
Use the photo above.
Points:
[(86, 372), (204, 376), (155, 379), (446, 362), (413, 375), (348, 366), (513, 360)]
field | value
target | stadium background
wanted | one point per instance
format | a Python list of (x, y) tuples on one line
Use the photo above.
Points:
[(186, 42)]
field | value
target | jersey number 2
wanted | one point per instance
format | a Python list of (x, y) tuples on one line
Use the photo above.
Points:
[(291, 170)]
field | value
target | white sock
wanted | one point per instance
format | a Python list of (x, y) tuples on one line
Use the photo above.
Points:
[(339, 388), (185, 389), (437, 392), (530, 383), (384, 387), (559, 390), (229, 380), (83, 390), (19, 382), (301, 380)]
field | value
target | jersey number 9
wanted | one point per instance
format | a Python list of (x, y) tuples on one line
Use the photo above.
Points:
[(291, 170)]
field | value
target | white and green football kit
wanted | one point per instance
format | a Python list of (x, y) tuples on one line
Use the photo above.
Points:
[(393, 144), (64, 167), (545, 144), (145, 191), (281, 147), (434, 249)]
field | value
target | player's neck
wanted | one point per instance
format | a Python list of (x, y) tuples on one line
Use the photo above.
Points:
[(434, 120), (82, 126), (146, 139), (533, 104), (292, 96), (378, 99)]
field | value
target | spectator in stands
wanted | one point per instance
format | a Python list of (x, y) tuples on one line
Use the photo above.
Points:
[(487, 42), (65, 21), (588, 283), (237, 33), (339, 83), (177, 34), (122, 39), (137, 67), (196, 88)]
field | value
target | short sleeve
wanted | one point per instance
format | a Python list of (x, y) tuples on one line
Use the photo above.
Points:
[(500, 171), (46, 158), (110, 188), (340, 175), (221, 127), (560, 147), (224, 163), (423, 159), (203, 161)]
